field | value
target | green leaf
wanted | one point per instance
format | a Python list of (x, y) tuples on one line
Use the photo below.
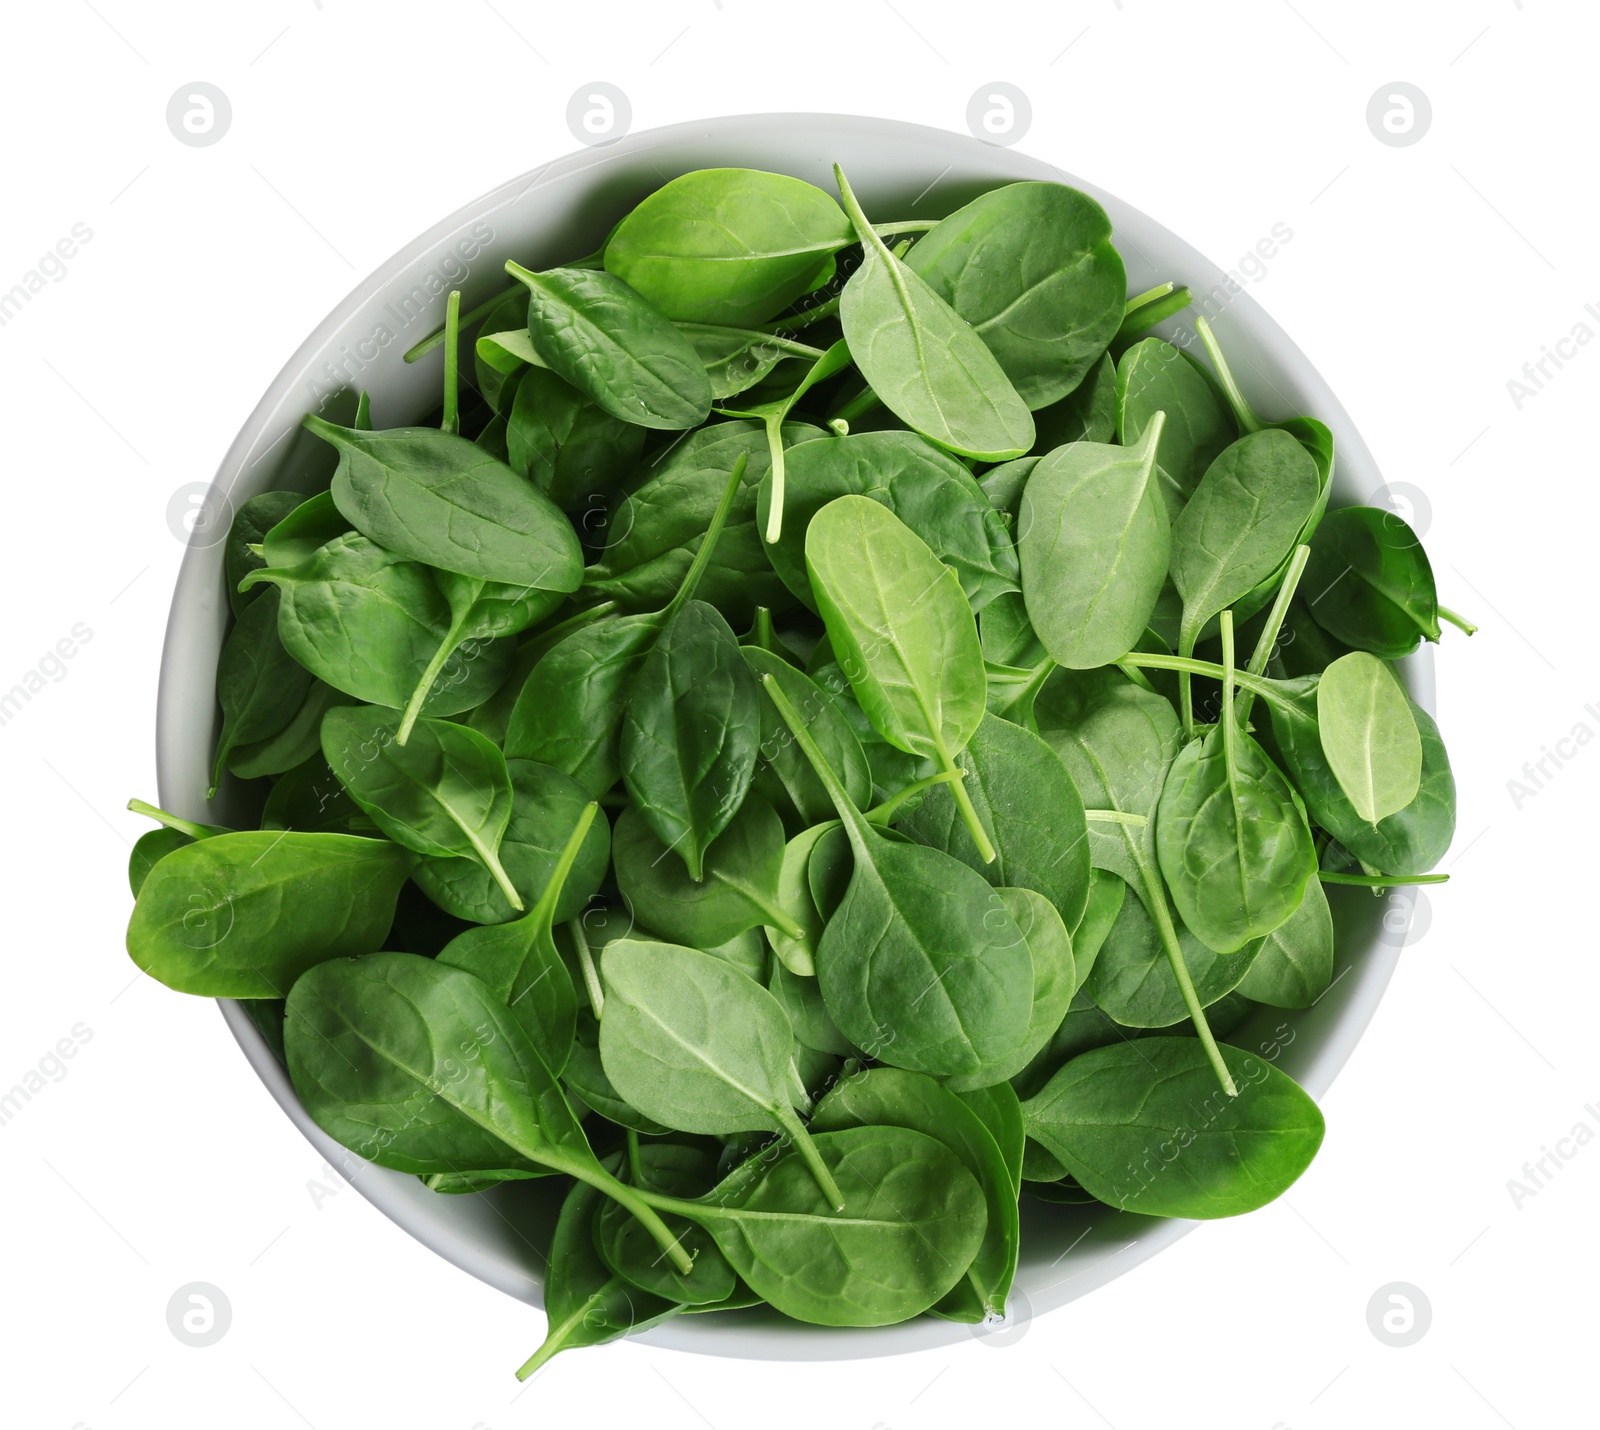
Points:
[(926, 362), (1031, 266), (1029, 807), (1369, 735), (693, 1043), (1153, 376), (1294, 966), (260, 686), (244, 915), (902, 632), (731, 246), (440, 499), (1142, 1127), (368, 623), (931, 492), (912, 1221), (520, 964), (1094, 542), (445, 793), (690, 731), (739, 890), (619, 351), (1240, 525), (1369, 584), (890, 1097)]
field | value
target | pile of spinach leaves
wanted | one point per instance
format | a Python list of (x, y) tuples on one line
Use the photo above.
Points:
[(823, 737)]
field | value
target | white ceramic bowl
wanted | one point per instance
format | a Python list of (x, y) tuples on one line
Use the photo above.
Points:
[(566, 208)]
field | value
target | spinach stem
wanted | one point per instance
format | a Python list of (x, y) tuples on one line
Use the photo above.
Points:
[(451, 421), (708, 546), (1143, 300), (775, 916), (795, 322), (1380, 881), (591, 974), (980, 836), (482, 311), (854, 821), (813, 1158), (862, 403), (1460, 622), (635, 1201), (765, 636), (883, 813), (441, 658), (1185, 665), (633, 1157), (545, 909), (1275, 618), (1116, 816), (1156, 903), (1243, 412), (183, 826), (905, 225)]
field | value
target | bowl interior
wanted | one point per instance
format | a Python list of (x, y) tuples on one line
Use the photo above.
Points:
[(563, 209)]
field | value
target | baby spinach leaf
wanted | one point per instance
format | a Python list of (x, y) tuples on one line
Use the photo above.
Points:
[(1369, 583), (416, 1065), (1055, 979), (585, 1076), (445, 793), (733, 246), (545, 803), (240, 553), (692, 1043), (1106, 894), (1410, 841), (1086, 414), (1294, 965), (367, 622), (1369, 736), (922, 359), (658, 529), (480, 611), (1240, 525), (1153, 376), (570, 711), (690, 731), (244, 915), (931, 492), (1231, 833), (912, 1221), (295, 743), (739, 890), (260, 686), (310, 798), (585, 1302), (438, 498), (681, 1171), (799, 954), (1141, 1128), (1094, 542), (801, 999), (1029, 807), (903, 634), (299, 534), (892, 1097), (519, 963), (783, 774), (616, 348), (1031, 266), (569, 447), (1131, 979), (921, 964), (736, 359)]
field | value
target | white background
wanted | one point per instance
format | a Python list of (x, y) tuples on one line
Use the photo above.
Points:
[(1419, 279)]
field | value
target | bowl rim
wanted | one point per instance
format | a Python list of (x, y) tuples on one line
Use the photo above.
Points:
[(195, 621)]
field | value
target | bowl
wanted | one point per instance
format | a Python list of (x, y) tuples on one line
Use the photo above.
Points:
[(563, 209)]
